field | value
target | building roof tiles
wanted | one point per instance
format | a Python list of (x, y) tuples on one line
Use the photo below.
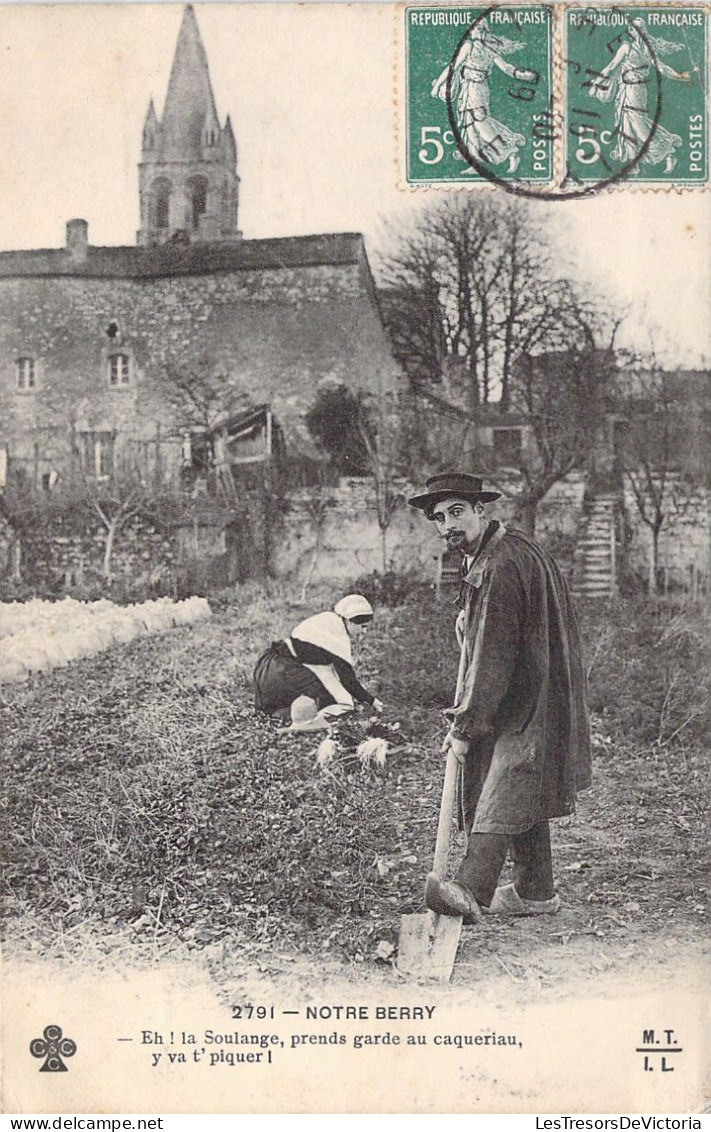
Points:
[(176, 258)]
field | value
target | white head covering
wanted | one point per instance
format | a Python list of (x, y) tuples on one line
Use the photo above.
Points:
[(353, 605), (328, 632)]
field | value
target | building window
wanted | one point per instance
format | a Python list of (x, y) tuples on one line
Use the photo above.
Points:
[(119, 370), (163, 211), (620, 440), (96, 450), (49, 480), (198, 199), (160, 203), (26, 371), (507, 447)]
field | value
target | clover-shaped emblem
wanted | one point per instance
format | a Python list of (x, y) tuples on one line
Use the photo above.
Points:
[(53, 1047)]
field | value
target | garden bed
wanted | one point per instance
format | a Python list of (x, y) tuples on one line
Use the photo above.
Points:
[(147, 803)]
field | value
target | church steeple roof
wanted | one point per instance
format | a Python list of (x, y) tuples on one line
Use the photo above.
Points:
[(188, 184), (151, 116), (151, 129), (228, 137), (189, 103)]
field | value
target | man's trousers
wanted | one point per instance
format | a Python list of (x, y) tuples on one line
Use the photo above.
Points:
[(531, 856)]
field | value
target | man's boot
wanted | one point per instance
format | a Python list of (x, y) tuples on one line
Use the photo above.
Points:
[(507, 902), (449, 898)]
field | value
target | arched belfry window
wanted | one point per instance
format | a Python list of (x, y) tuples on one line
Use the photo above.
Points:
[(160, 203), (198, 199)]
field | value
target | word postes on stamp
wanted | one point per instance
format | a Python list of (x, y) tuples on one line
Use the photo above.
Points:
[(557, 102), (635, 94), (479, 86)]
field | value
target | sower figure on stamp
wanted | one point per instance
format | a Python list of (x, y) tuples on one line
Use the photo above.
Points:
[(488, 138), (626, 78), (519, 728)]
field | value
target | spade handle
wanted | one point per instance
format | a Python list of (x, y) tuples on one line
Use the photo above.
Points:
[(449, 788), (446, 810)]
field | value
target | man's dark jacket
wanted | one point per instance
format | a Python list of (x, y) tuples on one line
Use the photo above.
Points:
[(523, 698)]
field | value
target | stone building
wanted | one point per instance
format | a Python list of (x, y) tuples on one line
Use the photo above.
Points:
[(108, 353)]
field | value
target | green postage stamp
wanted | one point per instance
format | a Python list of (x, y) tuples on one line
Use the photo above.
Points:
[(479, 83), (557, 100), (636, 93)]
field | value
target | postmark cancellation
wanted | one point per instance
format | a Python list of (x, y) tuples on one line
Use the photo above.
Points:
[(555, 101)]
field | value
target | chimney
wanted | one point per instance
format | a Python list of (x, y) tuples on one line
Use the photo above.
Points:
[(77, 239)]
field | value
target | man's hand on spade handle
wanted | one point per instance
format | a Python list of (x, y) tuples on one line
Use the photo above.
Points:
[(458, 747)]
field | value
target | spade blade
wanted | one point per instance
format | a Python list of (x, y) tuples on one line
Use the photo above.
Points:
[(428, 945)]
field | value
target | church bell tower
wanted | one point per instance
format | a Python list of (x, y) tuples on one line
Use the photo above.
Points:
[(187, 176)]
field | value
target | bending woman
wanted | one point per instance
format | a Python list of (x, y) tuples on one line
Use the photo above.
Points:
[(316, 662)]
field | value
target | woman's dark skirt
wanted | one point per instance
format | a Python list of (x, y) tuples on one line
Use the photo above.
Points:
[(279, 679)]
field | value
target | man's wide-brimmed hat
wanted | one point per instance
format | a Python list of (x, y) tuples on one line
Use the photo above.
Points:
[(461, 484)]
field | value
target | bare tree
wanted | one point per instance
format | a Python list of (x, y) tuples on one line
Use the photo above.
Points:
[(558, 402), (200, 394), (410, 298), (115, 507), (483, 321), (119, 484), (379, 427), (651, 453), (25, 510), (562, 396), (473, 278), (317, 508)]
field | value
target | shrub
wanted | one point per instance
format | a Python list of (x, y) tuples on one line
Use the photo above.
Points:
[(649, 670), (389, 589), (335, 421), (561, 545)]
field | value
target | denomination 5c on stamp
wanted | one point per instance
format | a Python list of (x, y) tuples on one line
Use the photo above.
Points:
[(479, 83), (636, 93)]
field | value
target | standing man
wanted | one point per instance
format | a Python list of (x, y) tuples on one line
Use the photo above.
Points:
[(519, 727)]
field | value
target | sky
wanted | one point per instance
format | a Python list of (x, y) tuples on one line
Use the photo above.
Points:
[(313, 92)]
